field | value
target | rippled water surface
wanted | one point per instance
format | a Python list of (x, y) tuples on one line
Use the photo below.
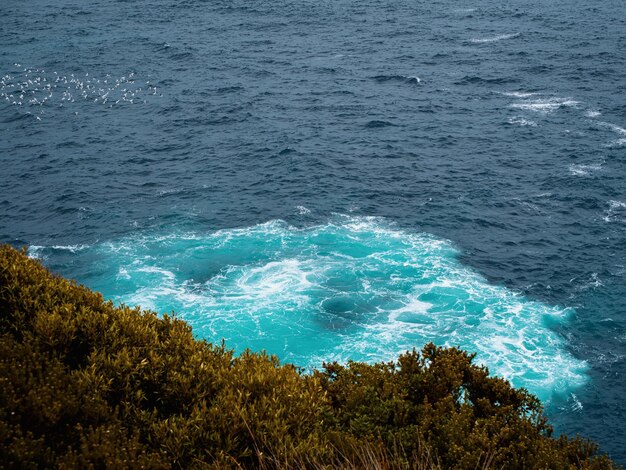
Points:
[(334, 180)]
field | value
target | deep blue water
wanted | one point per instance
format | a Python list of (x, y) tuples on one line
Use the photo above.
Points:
[(334, 180)]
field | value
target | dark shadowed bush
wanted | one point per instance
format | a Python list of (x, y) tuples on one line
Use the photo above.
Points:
[(86, 384)]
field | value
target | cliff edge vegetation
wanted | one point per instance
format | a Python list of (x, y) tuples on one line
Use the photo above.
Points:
[(86, 384)]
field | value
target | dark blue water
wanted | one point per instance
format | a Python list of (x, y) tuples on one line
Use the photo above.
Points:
[(338, 179)]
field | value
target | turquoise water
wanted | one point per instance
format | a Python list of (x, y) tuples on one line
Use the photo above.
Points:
[(150, 149), (353, 288)]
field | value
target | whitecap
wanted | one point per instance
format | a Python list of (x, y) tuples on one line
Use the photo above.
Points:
[(522, 122), (41, 251), (36, 252), (616, 212), (620, 142), (303, 210), (519, 94), (584, 169), (500, 37), (545, 105), (166, 192), (617, 129)]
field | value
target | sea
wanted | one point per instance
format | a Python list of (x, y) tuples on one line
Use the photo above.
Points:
[(334, 181)]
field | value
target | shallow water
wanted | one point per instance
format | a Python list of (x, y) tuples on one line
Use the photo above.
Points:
[(338, 180)]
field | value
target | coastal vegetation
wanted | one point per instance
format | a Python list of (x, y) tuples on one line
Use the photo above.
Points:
[(85, 383)]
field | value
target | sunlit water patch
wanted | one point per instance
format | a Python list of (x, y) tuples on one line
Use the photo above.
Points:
[(353, 288)]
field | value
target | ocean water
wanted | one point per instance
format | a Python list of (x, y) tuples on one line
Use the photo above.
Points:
[(337, 180)]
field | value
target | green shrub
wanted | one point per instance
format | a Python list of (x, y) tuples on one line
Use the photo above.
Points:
[(86, 384)]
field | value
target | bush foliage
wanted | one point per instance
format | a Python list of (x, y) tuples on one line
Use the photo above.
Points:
[(86, 384)]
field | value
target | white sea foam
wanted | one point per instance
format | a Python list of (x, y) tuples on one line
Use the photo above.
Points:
[(39, 251), (620, 142), (616, 212), (413, 307), (519, 94), (35, 252), (545, 105), (617, 143), (303, 210), (617, 129), (122, 273), (497, 38), (166, 192), (70, 248), (520, 121), (592, 282), (276, 277), (156, 270), (584, 169), (592, 114)]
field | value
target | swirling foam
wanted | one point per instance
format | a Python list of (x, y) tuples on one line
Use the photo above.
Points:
[(354, 288)]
